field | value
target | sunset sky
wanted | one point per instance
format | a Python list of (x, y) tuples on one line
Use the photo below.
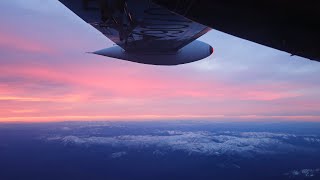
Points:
[(46, 75)]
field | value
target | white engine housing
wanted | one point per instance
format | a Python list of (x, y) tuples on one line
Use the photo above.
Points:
[(194, 51)]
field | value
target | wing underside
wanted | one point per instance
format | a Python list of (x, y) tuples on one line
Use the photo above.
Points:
[(138, 25)]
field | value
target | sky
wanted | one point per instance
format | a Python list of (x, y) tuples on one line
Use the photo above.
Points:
[(46, 75)]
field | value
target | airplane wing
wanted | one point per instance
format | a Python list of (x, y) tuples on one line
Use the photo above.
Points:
[(170, 27), (292, 26), (140, 26)]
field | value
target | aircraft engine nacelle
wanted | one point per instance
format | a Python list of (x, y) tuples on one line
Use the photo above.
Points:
[(194, 51)]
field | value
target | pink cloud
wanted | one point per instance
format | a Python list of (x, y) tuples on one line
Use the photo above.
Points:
[(22, 44), (98, 92)]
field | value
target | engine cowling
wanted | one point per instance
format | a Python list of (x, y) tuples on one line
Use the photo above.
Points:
[(194, 51)]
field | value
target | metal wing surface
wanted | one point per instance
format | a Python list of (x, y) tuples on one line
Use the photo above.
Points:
[(138, 25)]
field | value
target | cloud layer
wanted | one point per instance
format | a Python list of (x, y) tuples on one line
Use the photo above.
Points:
[(199, 142), (307, 173)]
